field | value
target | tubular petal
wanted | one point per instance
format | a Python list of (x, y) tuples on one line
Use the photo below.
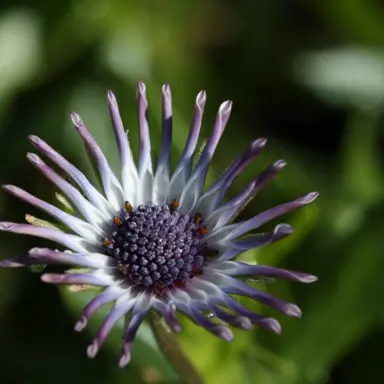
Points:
[(223, 214), (194, 313), (195, 183), (168, 313), (129, 176), (81, 227), (73, 242), (90, 213), (111, 184), (270, 214), (145, 162), (101, 280), (241, 322), (184, 168), (110, 294), (89, 190), (129, 337), (109, 322), (236, 268), (236, 287), (86, 260)]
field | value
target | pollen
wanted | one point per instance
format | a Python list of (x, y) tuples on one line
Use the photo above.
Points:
[(117, 220)]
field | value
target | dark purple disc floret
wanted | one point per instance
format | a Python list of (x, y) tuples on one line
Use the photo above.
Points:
[(156, 246)]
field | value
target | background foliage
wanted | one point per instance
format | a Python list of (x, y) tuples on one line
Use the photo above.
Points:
[(309, 75)]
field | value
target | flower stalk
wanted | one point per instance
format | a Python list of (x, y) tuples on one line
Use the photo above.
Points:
[(171, 348)]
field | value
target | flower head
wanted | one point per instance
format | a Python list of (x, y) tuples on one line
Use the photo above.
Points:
[(154, 240)]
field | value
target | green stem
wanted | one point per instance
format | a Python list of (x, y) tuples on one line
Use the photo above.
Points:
[(170, 346)]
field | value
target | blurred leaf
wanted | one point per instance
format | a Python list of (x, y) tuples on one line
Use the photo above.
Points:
[(347, 76), (20, 49)]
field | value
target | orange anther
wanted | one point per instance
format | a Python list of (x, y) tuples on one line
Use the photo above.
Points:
[(116, 220), (128, 207), (179, 283), (203, 230), (175, 204), (123, 269), (198, 218), (107, 242), (160, 288)]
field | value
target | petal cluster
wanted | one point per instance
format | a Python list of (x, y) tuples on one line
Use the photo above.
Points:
[(207, 297)]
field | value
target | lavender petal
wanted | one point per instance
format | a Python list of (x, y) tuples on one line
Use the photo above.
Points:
[(129, 175), (272, 213), (111, 184), (89, 190), (92, 278), (214, 195), (166, 141), (90, 212), (168, 314), (73, 242), (86, 260), (130, 335), (241, 322), (110, 294), (82, 228), (196, 316), (237, 287), (232, 248), (145, 162), (268, 323), (236, 268), (109, 322), (184, 168), (194, 186), (226, 212)]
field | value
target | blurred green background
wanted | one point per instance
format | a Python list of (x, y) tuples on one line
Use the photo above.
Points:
[(309, 75)]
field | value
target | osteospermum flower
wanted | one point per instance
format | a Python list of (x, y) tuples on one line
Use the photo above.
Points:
[(155, 240)]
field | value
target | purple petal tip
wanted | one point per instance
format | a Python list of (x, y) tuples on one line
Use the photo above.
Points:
[(225, 108), (76, 119), (283, 229), (52, 278), (305, 278), (92, 350), (111, 97), (258, 144), (244, 322), (10, 264), (125, 359), (81, 324), (279, 164), (38, 251), (166, 89), (309, 197), (33, 158), (271, 324), (293, 310), (225, 333), (8, 187), (141, 87), (6, 226), (34, 139), (201, 98)]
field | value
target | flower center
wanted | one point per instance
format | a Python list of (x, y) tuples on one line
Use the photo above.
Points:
[(157, 247)]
